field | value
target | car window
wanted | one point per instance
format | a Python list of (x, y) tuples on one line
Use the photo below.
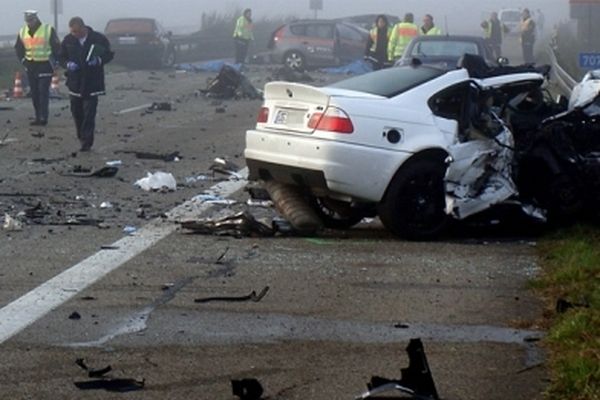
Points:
[(130, 26), (321, 31), (390, 82), (298, 30), (348, 33), (449, 102), (431, 48)]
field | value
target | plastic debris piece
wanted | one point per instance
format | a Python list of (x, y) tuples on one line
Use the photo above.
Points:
[(157, 181), (114, 163), (251, 297), (11, 224), (111, 385), (130, 230), (106, 204)]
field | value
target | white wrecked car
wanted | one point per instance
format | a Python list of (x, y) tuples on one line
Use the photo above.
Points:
[(415, 145)]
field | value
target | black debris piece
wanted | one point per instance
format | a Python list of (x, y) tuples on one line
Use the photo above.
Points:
[(93, 373), (161, 106), (416, 380), (104, 172), (247, 389), (562, 305), (143, 155), (289, 74), (111, 385), (258, 193), (75, 316), (251, 297), (230, 83), (238, 225)]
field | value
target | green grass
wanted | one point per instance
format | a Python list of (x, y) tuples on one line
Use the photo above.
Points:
[(571, 264)]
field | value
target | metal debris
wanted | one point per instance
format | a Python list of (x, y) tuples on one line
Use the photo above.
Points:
[(142, 155), (237, 225), (251, 297), (104, 172), (416, 380)]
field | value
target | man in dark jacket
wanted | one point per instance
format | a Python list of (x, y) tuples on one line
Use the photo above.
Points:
[(83, 54), (37, 48), (377, 44)]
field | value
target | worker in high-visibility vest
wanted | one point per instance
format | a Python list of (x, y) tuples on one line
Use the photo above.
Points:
[(493, 32), (377, 44), (37, 48), (243, 35), (429, 27), (402, 33)]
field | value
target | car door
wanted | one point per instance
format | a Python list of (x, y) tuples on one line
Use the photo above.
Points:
[(350, 43), (318, 43)]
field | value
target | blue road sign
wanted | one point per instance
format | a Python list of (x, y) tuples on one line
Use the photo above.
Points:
[(589, 60)]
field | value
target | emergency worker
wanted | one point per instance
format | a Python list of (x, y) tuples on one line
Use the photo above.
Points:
[(37, 48), (377, 44), (429, 27), (527, 27), (402, 33), (243, 35)]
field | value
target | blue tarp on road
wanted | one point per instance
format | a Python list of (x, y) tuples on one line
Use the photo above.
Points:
[(210, 66), (357, 67)]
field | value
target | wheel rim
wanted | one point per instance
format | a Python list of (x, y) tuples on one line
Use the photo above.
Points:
[(423, 201), (294, 60)]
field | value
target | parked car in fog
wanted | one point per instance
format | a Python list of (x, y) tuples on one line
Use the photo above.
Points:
[(511, 18), (367, 21), (446, 50), (140, 41), (317, 43)]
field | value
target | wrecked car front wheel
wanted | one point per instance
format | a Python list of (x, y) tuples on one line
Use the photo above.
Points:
[(413, 207)]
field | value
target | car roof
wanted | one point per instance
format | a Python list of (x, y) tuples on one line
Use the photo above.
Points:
[(450, 38), (131, 19)]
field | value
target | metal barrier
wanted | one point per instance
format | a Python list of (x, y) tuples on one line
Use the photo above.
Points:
[(565, 82)]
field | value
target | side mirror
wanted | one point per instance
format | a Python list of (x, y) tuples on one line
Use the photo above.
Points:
[(502, 61)]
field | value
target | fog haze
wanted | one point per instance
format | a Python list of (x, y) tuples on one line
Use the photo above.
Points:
[(185, 15)]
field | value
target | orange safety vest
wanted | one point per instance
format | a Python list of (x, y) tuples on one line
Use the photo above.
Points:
[(37, 47)]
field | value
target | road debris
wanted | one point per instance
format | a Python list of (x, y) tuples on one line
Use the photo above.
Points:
[(75, 316), (104, 172), (231, 83), (223, 166), (238, 225), (12, 224), (416, 380), (250, 297), (93, 373), (114, 163), (161, 106), (247, 389), (132, 109), (213, 199), (130, 230), (158, 181), (111, 385), (142, 155)]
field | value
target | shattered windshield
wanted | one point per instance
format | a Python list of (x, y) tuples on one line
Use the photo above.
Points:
[(390, 82)]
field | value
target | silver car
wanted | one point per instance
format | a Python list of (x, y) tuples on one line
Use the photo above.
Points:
[(317, 43)]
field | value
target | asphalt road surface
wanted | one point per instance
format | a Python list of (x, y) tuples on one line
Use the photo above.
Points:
[(340, 307)]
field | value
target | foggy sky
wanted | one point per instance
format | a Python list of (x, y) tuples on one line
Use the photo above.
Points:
[(185, 15)]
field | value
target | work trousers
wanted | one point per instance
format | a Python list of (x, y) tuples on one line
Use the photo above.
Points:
[(241, 50), (84, 116), (527, 52), (40, 94)]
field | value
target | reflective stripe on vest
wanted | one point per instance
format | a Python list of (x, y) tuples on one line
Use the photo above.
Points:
[(37, 47)]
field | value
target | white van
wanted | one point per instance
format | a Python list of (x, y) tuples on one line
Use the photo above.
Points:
[(511, 18)]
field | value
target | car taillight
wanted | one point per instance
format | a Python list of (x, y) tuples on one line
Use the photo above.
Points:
[(263, 115), (333, 120)]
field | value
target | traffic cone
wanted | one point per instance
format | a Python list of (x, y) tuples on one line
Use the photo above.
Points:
[(54, 86), (18, 87)]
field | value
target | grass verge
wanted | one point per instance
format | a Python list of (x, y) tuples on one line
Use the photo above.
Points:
[(571, 271)]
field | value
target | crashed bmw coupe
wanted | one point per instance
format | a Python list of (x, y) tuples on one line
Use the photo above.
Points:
[(420, 146)]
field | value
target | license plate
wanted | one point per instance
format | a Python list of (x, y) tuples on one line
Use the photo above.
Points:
[(127, 40), (289, 117)]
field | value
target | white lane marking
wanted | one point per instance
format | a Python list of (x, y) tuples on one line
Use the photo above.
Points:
[(32, 306)]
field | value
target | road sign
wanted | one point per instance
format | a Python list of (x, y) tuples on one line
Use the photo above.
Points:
[(316, 5), (589, 60)]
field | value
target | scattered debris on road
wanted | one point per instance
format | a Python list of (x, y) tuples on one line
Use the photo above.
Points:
[(93, 373), (416, 380), (158, 181), (238, 225), (11, 224), (142, 155), (251, 297), (75, 316), (119, 385), (104, 172), (247, 389)]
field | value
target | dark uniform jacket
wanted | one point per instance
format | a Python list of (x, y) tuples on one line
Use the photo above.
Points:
[(87, 80)]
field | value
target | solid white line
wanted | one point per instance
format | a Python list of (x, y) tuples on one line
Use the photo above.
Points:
[(32, 306), (136, 108)]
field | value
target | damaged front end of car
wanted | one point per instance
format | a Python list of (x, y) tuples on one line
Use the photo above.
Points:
[(530, 151)]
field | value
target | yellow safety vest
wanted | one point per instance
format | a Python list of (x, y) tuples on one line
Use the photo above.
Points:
[(402, 34), (37, 47), (373, 34), (243, 29), (433, 31)]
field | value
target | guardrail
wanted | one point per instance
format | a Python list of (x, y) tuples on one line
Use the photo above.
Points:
[(559, 75)]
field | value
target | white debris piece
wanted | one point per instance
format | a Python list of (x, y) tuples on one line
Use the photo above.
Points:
[(157, 181), (11, 224)]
